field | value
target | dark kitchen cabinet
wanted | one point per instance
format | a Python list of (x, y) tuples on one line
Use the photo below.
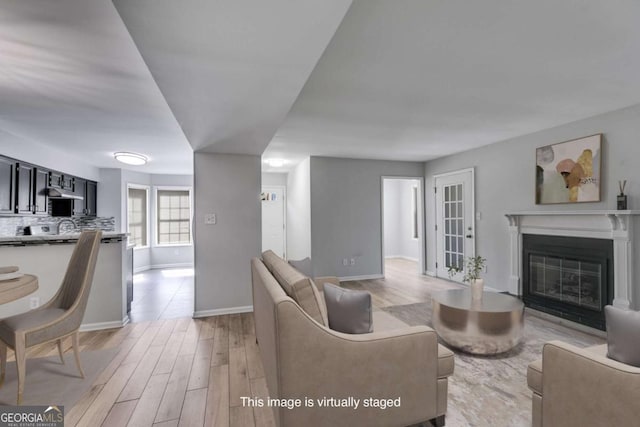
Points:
[(7, 187), (80, 190), (24, 190), (91, 198), (25, 180), (55, 179), (40, 191)]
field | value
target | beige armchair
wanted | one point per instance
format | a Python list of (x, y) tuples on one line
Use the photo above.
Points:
[(582, 387), (57, 319)]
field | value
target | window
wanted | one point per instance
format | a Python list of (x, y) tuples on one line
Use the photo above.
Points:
[(174, 217), (137, 216), (414, 212)]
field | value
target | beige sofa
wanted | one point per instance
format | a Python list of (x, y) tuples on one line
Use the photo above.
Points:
[(582, 387), (304, 359)]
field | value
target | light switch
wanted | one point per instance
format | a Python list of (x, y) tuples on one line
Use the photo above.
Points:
[(210, 219)]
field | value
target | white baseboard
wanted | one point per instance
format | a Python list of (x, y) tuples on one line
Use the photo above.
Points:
[(176, 265), (430, 273), (141, 269), (402, 257), (160, 266), (365, 277), (85, 327), (221, 311)]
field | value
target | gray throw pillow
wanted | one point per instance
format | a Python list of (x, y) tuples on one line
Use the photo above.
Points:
[(623, 335), (348, 311), (302, 265)]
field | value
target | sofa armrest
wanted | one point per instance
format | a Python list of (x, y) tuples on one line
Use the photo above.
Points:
[(580, 387), (316, 362), (320, 281)]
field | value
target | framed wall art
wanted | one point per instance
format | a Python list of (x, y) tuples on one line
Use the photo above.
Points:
[(569, 172)]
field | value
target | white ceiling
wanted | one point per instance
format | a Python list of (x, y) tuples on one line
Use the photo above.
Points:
[(415, 79), (72, 78), (406, 80), (231, 69)]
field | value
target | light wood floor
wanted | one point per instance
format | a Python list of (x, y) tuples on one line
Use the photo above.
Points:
[(193, 372)]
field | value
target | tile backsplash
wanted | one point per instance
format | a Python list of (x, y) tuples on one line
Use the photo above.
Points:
[(14, 225)]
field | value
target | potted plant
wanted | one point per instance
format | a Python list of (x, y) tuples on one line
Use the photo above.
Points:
[(474, 266)]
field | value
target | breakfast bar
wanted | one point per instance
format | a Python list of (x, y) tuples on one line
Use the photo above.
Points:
[(47, 257)]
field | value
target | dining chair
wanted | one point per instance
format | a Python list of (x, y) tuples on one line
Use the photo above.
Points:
[(59, 318)]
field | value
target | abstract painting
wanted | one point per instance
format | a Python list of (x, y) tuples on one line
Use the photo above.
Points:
[(569, 172)]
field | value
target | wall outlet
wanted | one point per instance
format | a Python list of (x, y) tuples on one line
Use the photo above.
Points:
[(353, 261), (345, 261), (34, 302), (210, 219)]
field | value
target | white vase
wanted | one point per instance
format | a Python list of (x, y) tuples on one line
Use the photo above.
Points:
[(477, 287)]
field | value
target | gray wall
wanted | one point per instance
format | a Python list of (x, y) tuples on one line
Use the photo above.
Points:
[(505, 179), (229, 186), (299, 211), (46, 156), (346, 210)]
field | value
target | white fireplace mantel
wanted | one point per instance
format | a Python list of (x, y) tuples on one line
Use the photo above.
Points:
[(614, 225)]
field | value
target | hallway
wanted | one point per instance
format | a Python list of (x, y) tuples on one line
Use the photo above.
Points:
[(162, 294)]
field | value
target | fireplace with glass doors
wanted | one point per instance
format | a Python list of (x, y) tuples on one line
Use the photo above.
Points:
[(568, 277)]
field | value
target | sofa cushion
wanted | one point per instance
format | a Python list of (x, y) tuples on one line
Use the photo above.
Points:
[(445, 361), (348, 311), (297, 286), (534, 376), (623, 335), (302, 265), (269, 258)]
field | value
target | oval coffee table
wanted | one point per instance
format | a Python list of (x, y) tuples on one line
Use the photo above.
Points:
[(490, 326)]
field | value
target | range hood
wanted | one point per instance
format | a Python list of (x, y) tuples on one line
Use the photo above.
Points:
[(55, 193)]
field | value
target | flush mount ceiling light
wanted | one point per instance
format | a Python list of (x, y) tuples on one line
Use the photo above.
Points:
[(275, 163), (130, 158)]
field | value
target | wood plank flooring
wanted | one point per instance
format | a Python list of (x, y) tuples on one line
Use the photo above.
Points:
[(193, 372)]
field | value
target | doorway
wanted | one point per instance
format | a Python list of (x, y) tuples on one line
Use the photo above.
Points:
[(402, 222), (274, 228), (455, 225)]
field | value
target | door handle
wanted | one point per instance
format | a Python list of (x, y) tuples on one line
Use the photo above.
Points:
[(469, 236)]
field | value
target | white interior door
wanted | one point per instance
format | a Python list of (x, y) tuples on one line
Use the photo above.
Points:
[(273, 220), (455, 226)]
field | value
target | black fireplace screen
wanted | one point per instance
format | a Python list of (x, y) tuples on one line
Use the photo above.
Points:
[(569, 277), (571, 281)]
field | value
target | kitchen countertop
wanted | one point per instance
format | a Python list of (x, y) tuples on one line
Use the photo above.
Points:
[(49, 239)]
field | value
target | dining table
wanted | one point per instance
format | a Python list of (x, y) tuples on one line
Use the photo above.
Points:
[(19, 287)]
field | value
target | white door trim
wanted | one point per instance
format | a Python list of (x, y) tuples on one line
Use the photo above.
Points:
[(472, 220), (421, 220)]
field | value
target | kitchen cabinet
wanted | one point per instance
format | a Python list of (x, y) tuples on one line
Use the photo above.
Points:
[(25, 179), (7, 187), (40, 195), (60, 181), (55, 179), (24, 190), (129, 280), (91, 198), (80, 190)]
